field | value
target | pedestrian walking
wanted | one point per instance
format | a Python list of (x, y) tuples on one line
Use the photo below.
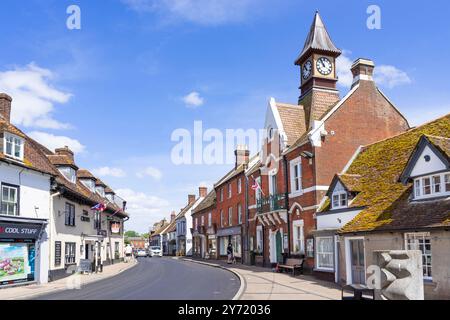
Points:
[(128, 253), (230, 253)]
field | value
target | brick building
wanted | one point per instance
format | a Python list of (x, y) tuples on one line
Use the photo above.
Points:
[(205, 222), (307, 143)]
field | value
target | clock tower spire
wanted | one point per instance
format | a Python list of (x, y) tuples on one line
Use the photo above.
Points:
[(317, 61)]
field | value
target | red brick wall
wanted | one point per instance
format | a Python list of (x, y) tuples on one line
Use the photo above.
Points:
[(234, 201), (364, 118)]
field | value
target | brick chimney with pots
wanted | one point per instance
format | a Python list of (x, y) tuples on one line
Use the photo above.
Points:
[(65, 152), (191, 198), (202, 192), (172, 216), (242, 155), (362, 70), (5, 107)]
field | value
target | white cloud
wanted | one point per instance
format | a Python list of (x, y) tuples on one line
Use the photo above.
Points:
[(144, 209), (390, 76), (193, 100), (384, 75), (109, 172), (52, 141), (203, 12), (34, 97), (150, 172)]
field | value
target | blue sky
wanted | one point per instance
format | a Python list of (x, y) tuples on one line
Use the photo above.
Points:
[(139, 69)]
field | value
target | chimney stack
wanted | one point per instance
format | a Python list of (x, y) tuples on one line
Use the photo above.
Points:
[(172, 216), (65, 152), (242, 155), (202, 192), (5, 107), (362, 69), (191, 198)]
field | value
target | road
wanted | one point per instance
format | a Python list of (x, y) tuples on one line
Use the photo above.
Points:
[(159, 279)]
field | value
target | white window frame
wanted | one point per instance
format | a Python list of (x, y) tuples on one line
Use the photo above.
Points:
[(296, 163), (209, 219), (318, 252), (230, 192), (15, 139), (203, 220), (421, 236), (239, 185), (221, 217), (15, 204), (72, 172), (340, 195), (230, 216), (258, 192), (419, 186), (298, 238)]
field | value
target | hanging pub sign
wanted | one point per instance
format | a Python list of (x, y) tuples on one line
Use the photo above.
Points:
[(115, 227)]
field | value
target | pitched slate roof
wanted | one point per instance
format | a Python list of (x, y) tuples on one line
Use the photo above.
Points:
[(209, 201), (318, 39), (293, 120), (387, 200)]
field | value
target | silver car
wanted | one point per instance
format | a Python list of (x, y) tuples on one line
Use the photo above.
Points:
[(155, 251)]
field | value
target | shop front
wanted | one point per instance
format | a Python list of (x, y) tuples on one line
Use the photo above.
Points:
[(20, 251), (230, 235)]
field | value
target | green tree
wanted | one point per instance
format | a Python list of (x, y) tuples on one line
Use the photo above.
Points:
[(131, 233), (145, 235)]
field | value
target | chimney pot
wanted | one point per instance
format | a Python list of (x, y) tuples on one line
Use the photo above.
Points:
[(242, 155), (5, 107), (362, 69), (65, 152), (202, 192)]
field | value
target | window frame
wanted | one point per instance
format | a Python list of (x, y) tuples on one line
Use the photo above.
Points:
[(14, 138), (72, 170), (340, 195), (70, 254), (230, 191), (419, 186), (210, 219), (239, 185), (422, 236), (17, 205), (296, 176), (69, 217), (319, 252), (230, 216), (239, 212)]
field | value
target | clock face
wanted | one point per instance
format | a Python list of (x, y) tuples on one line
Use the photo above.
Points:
[(324, 66), (307, 68)]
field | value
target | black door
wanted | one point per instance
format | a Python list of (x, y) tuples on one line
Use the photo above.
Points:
[(86, 250)]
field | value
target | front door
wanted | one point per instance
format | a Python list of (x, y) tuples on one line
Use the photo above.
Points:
[(279, 247), (357, 261), (86, 250)]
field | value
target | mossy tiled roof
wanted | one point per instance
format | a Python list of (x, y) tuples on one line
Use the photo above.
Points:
[(385, 198), (209, 201)]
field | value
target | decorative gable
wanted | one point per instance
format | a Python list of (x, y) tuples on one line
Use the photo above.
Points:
[(427, 158)]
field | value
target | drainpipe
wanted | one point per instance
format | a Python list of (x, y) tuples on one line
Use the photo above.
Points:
[(247, 215), (286, 202)]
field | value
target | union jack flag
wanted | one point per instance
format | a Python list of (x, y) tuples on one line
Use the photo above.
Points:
[(99, 207)]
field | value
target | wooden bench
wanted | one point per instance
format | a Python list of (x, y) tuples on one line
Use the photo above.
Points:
[(292, 264)]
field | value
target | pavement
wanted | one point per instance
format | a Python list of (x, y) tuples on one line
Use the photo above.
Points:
[(259, 283), (157, 279), (26, 292)]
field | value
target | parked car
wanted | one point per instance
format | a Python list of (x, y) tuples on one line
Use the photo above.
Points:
[(141, 253), (155, 251)]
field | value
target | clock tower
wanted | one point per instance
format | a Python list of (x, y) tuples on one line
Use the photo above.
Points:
[(317, 63)]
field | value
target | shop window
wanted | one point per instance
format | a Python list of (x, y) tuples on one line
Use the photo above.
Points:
[(10, 200), (325, 253), (421, 241)]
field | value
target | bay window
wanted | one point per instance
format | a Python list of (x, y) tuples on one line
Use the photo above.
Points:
[(432, 186), (325, 253)]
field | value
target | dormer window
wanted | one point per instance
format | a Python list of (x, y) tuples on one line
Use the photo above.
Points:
[(69, 173), (110, 197), (100, 190), (340, 200), (89, 183), (13, 146), (432, 186)]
